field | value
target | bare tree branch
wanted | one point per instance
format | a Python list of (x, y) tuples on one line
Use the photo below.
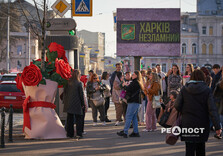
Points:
[(37, 12)]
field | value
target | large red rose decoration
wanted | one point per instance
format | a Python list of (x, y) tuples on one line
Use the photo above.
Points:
[(31, 75), (84, 80), (18, 80), (59, 49), (63, 69)]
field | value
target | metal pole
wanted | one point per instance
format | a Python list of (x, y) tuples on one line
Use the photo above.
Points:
[(3, 128), (8, 30), (10, 123), (29, 45), (8, 35), (137, 63)]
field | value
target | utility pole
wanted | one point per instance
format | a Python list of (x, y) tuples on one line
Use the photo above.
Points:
[(29, 45), (8, 35)]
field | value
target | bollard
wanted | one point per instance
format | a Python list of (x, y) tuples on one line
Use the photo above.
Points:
[(10, 123), (3, 128)]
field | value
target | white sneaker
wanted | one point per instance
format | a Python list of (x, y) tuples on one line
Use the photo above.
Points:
[(145, 130), (104, 123), (95, 124), (84, 133), (117, 123)]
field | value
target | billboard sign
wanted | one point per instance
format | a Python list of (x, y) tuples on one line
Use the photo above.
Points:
[(148, 32)]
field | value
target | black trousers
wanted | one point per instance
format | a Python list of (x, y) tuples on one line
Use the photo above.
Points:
[(70, 125), (192, 148), (82, 120), (107, 104)]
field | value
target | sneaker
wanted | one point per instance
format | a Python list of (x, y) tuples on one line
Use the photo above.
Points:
[(117, 123), (134, 135), (84, 133), (121, 133), (79, 137), (125, 136), (104, 123), (107, 120), (145, 130), (95, 124)]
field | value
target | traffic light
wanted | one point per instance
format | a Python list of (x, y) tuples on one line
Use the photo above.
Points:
[(72, 32)]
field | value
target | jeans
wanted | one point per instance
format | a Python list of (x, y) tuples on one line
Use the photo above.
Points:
[(131, 116), (192, 148)]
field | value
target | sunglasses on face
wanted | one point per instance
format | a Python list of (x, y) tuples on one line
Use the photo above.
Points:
[(95, 78)]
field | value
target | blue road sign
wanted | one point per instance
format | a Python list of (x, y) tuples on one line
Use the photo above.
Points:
[(82, 7)]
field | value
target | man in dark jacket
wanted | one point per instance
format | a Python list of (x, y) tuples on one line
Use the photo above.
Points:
[(118, 69), (218, 92), (195, 103), (217, 76)]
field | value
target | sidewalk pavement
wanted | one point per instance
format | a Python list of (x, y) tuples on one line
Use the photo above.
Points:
[(103, 140)]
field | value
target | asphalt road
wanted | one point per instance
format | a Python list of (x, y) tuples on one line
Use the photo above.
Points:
[(103, 140)]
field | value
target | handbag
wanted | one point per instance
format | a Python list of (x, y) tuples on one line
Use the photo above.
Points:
[(156, 102), (164, 119), (99, 101), (122, 94), (171, 139)]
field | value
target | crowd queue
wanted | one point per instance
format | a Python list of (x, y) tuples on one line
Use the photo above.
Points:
[(147, 97)]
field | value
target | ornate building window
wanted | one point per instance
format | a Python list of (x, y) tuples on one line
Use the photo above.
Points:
[(210, 49), (204, 30), (210, 30), (194, 48), (184, 48), (204, 47)]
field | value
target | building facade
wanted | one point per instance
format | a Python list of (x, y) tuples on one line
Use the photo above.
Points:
[(96, 43), (201, 38)]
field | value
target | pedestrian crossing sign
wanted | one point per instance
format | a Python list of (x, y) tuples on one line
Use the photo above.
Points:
[(82, 7)]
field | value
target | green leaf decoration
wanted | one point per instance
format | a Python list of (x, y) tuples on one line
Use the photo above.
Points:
[(52, 56), (37, 63), (56, 77), (50, 66)]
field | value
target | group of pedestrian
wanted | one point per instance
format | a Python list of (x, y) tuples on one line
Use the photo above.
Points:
[(196, 96)]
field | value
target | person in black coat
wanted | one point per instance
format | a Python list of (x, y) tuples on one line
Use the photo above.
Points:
[(218, 92), (74, 105), (133, 100), (195, 103)]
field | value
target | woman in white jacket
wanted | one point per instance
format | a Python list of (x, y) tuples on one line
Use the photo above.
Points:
[(107, 93)]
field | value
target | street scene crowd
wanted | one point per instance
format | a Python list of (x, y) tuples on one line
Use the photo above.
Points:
[(147, 97)]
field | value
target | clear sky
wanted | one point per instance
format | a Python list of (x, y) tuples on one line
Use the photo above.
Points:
[(102, 19)]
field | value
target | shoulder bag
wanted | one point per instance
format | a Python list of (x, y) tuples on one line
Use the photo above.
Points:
[(99, 101), (171, 139), (156, 102)]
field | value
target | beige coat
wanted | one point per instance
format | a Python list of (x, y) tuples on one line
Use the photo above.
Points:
[(116, 91), (173, 115)]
